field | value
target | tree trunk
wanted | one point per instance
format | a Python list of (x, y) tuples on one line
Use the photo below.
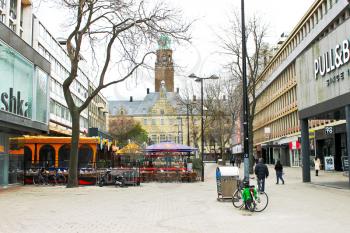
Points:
[(73, 159)]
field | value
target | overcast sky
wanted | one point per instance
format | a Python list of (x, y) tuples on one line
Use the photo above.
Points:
[(201, 57)]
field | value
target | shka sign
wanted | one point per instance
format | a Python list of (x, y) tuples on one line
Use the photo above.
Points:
[(17, 81), (12, 102)]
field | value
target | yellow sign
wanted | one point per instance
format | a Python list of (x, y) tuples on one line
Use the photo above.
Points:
[(2, 149)]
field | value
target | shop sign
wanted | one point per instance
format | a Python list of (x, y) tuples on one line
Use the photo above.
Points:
[(323, 70), (329, 163), (328, 130), (345, 162), (331, 60), (295, 145), (11, 102)]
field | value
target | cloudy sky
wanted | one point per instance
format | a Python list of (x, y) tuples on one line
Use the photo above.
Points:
[(202, 56)]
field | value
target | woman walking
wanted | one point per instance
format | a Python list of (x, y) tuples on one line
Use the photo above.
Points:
[(279, 172), (317, 162)]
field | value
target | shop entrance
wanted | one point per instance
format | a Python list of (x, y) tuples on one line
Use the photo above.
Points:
[(340, 151)]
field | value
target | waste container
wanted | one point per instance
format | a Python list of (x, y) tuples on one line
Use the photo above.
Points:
[(226, 181)]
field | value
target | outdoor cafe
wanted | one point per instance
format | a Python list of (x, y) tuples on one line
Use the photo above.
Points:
[(168, 162)]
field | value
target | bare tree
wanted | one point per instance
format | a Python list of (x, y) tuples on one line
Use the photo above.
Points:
[(257, 51), (127, 27), (220, 113), (187, 104)]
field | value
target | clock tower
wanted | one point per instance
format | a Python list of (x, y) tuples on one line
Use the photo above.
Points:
[(164, 67)]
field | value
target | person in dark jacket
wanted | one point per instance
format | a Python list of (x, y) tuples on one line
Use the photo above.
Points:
[(261, 172), (279, 172)]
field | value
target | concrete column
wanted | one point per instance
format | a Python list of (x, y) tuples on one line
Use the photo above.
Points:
[(347, 114), (305, 149), (56, 147)]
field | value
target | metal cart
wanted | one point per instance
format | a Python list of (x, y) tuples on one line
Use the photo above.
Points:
[(226, 182)]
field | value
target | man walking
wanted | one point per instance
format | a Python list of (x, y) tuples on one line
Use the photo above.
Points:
[(261, 172)]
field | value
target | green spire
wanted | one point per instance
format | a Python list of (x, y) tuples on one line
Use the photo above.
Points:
[(164, 42)]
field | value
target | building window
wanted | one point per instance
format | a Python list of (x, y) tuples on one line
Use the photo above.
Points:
[(52, 106), (2, 4), (145, 121), (162, 112), (162, 121), (154, 122), (13, 9), (162, 138), (154, 138)]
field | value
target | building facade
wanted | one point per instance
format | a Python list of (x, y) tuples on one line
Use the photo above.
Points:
[(162, 114), (52, 50), (277, 128), (24, 88), (17, 15), (98, 111)]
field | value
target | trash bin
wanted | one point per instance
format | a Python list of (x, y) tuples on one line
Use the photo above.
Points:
[(226, 181)]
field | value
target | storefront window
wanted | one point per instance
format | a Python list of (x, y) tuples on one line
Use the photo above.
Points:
[(16, 89), (41, 95)]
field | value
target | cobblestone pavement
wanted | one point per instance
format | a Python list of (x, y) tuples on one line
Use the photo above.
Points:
[(173, 207)]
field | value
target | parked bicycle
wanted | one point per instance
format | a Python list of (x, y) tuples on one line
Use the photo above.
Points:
[(58, 177), (249, 197), (41, 177), (44, 177)]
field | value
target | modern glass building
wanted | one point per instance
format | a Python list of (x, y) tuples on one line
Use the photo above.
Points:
[(23, 99)]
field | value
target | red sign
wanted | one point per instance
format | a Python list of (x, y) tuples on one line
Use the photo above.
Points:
[(294, 145)]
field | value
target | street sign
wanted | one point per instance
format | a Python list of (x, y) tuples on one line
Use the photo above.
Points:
[(328, 130)]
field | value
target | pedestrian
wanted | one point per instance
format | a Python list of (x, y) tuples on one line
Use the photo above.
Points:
[(238, 161), (317, 162), (261, 172), (279, 172), (232, 160)]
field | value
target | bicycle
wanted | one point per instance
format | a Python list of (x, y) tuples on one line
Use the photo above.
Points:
[(256, 202), (60, 178), (40, 179)]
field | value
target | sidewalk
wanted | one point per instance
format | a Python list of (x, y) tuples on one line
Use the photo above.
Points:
[(174, 208), (327, 179)]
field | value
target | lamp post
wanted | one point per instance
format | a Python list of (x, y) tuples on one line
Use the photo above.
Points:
[(188, 125), (245, 98), (197, 79)]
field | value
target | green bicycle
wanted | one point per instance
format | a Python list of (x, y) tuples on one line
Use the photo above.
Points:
[(249, 197)]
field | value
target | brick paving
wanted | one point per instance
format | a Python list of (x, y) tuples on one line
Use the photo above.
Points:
[(174, 207)]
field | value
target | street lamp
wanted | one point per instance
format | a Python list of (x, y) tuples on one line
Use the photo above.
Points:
[(245, 98), (188, 124), (198, 79), (179, 130)]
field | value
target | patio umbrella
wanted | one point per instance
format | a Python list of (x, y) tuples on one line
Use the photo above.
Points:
[(169, 147)]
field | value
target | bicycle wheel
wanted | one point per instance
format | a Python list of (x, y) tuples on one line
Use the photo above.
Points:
[(237, 200), (261, 202), (35, 179), (61, 179)]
